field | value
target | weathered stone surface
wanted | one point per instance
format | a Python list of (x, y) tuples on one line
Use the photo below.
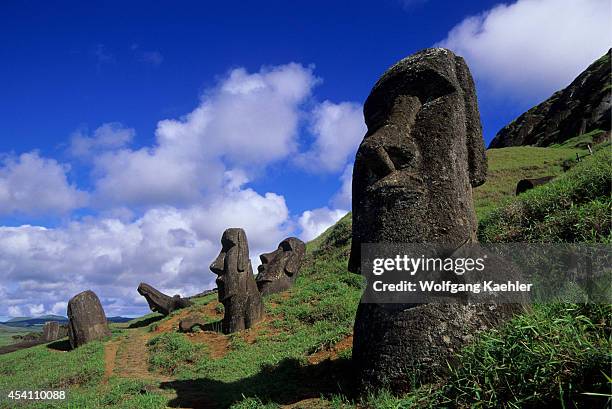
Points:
[(412, 183), (87, 321), (280, 268), (160, 302), (237, 288), (189, 323), (581, 107), (421, 156), (526, 184), (52, 331)]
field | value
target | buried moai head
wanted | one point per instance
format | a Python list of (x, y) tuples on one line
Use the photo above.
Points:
[(235, 282), (87, 321), (279, 268), (160, 302), (421, 156)]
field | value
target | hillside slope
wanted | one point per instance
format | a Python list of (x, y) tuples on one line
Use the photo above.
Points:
[(581, 107), (299, 356)]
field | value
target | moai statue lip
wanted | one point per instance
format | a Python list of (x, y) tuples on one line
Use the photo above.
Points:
[(279, 268), (237, 290)]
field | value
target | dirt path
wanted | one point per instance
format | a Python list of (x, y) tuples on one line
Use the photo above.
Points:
[(128, 357), (110, 355)]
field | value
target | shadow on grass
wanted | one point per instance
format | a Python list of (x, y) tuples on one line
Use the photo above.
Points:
[(288, 382), (146, 321), (61, 345)]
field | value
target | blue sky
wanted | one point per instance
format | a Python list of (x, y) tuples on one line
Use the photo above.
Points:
[(133, 133)]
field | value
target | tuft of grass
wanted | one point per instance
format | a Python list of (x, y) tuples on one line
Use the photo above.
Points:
[(170, 352), (554, 355)]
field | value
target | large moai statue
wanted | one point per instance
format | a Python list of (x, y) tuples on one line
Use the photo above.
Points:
[(87, 321), (412, 183), (237, 288), (160, 302), (279, 268)]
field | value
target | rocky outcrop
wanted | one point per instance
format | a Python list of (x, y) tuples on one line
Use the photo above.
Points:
[(279, 268), (412, 183), (160, 302), (582, 107), (236, 284), (87, 319)]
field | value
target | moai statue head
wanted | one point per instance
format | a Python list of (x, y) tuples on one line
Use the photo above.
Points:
[(87, 321), (235, 282), (279, 268), (421, 156), (160, 302), (232, 264)]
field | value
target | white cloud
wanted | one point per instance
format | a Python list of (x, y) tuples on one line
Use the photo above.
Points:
[(59, 308), (531, 48), (246, 122), (342, 199), (32, 185), (14, 311), (36, 309), (108, 136), (161, 209), (314, 222), (167, 247), (338, 130)]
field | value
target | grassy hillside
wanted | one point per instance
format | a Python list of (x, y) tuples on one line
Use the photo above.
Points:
[(575, 207), (509, 165), (299, 356)]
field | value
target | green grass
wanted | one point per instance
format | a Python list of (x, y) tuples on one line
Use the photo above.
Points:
[(575, 207), (170, 351), (581, 141), (509, 165), (6, 335)]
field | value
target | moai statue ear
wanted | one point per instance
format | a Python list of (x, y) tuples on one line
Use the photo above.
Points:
[(292, 265), (298, 248), (243, 251), (477, 159)]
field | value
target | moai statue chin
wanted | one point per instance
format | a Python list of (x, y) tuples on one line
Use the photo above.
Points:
[(412, 183), (279, 268), (237, 288)]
